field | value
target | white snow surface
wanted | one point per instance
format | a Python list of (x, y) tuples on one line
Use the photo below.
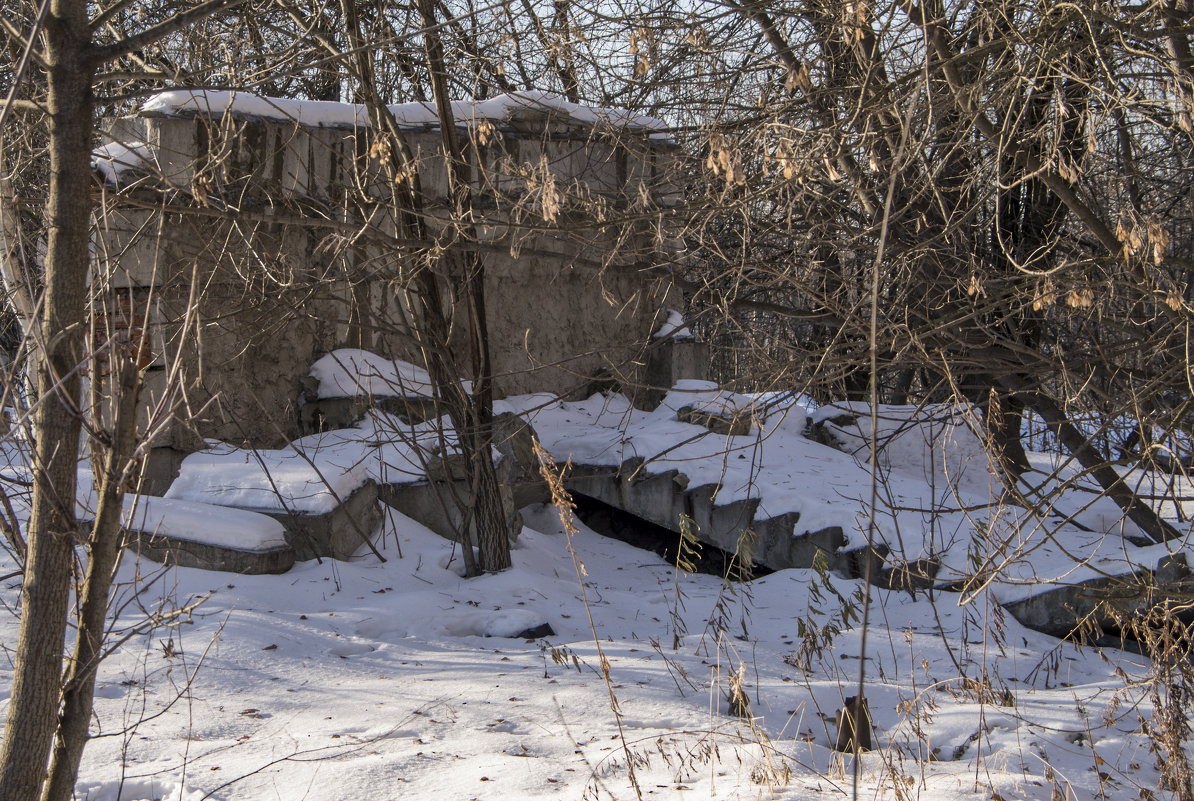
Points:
[(294, 479), (370, 680), (328, 113), (354, 373), (316, 473), (673, 326), (205, 523), (935, 443), (235, 529), (114, 159)]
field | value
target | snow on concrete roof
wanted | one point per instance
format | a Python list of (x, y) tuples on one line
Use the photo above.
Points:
[(323, 113)]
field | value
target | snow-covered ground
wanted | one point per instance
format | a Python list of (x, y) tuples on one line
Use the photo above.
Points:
[(371, 680), (365, 680)]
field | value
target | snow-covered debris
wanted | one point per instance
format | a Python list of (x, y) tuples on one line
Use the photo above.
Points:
[(673, 327), (317, 472), (324, 113), (354, 373), (706, 396), (773, 465), (313, 481), (934, 443)]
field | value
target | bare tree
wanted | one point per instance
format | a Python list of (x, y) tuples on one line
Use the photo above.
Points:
[(81, 56), (1037, 249)]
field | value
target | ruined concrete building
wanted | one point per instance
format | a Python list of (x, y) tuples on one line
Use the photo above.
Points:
[(241, 238)]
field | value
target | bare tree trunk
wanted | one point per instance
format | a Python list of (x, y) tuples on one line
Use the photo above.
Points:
[(45, 593), (104, 547), (1003, 419), (476, 433)]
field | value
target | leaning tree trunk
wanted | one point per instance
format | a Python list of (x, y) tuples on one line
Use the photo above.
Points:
[(1098, 466), (45, 592)]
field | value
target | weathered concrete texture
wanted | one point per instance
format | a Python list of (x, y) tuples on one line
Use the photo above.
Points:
[(441, 505), (669, 361), (1104, 601), (339, 533), (514, 439), (663, 498), (441, 501), (185, 553), (159, 469), (243, 307)]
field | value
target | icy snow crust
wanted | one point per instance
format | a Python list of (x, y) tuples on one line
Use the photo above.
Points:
[(322, 113)]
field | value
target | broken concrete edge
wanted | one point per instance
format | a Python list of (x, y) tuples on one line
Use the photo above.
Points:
[(437, 505), (337, 534), (664, 498), (1070, 609)]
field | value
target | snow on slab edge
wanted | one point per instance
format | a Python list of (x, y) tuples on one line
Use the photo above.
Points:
[(673, 327), (326, 113), (217, 526), (1027, 579), (114, 159)]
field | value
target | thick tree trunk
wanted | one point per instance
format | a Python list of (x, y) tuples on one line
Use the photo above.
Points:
[(476, 433), (103, 549), (45, 594), (1003, 420)]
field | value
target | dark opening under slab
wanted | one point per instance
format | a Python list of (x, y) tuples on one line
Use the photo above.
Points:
[(620, 525)]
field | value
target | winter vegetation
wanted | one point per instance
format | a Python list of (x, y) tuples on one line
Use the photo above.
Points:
[(596, 400)]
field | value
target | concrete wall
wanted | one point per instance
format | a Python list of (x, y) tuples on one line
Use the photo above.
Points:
[(258, 246)]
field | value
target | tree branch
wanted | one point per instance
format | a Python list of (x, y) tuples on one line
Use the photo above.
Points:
[(161, 30)]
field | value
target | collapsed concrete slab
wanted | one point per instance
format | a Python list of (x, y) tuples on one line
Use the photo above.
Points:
[(664, 498), (183, 553), (1104, 602), (441, 504), (323, 496), (204, 536), (338, 533)]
